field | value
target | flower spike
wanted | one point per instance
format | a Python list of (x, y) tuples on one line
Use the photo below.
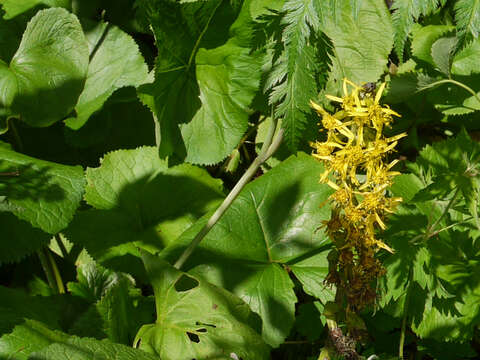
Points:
[(354, 156)]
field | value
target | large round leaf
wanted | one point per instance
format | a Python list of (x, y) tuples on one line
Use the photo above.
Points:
[(47, 73), (196, 320), (115, 62), (273, 222), (138, 200)]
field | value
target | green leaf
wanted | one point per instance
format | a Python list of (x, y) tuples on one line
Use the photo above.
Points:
[(111, 313), (442, 53), (11, 31), (19, 305), (29, 323), (139, 201), (361, 43), (405, 13), (122, 123), (14, 8), (278, 225), (292, 80), (228, 78), (89, 349), (424, 37), (47, 73), (446, 350), (310, 320), (465, 61), (20, 238), (456, 162), (115, 62), (27, 337), (312, 272), (202, 91), (196, 319), (425, 273), (467, 18), (45, 194), (452, 100)]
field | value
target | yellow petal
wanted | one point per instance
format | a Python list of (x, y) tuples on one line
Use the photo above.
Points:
[(333, 185), (379, 93), (334, 98), (316, 107), (382, 245), (389, 111), (380, 222)]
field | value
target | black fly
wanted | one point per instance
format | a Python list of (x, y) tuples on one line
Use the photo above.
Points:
[(368, 89)]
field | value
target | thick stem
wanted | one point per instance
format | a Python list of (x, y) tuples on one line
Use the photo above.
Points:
[(158, 134), (56, 273), (270, 145), (46, 269)]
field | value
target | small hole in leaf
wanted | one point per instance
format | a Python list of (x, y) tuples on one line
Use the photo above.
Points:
[(185, 283), (204, 324), (202, 330), (193, 337)]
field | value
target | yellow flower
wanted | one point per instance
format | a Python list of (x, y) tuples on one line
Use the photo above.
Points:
[(355, 167)]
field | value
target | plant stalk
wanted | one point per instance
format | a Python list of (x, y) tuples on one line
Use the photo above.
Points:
[(270, 145), (61, 245), (463, 86), (46, 269), (56, 273), (404, 319), (445, 211)]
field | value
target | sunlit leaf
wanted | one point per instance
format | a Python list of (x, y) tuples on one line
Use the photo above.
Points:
[(47, 73)]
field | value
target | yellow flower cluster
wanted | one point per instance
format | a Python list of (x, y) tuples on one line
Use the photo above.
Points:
[(355, 154)]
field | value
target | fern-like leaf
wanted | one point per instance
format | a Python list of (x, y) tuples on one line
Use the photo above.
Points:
[(405, 13), (292, 82), (467, 18)]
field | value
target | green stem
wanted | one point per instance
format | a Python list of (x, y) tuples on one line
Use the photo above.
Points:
[(158, 134), (16, 136), (61, 246), (270, 145), (46, 269), (444, 81), (404, 319), (449, 227), (56, 273)]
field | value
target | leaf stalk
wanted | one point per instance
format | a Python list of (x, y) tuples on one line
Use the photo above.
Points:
[(269, 147)]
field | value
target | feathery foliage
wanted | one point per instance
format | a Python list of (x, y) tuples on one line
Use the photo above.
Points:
[(467, 19)]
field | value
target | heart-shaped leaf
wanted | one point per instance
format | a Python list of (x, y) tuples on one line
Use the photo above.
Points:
[(47, 73), (271, 226), (139, 201), (197, 320), (115, 62)]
